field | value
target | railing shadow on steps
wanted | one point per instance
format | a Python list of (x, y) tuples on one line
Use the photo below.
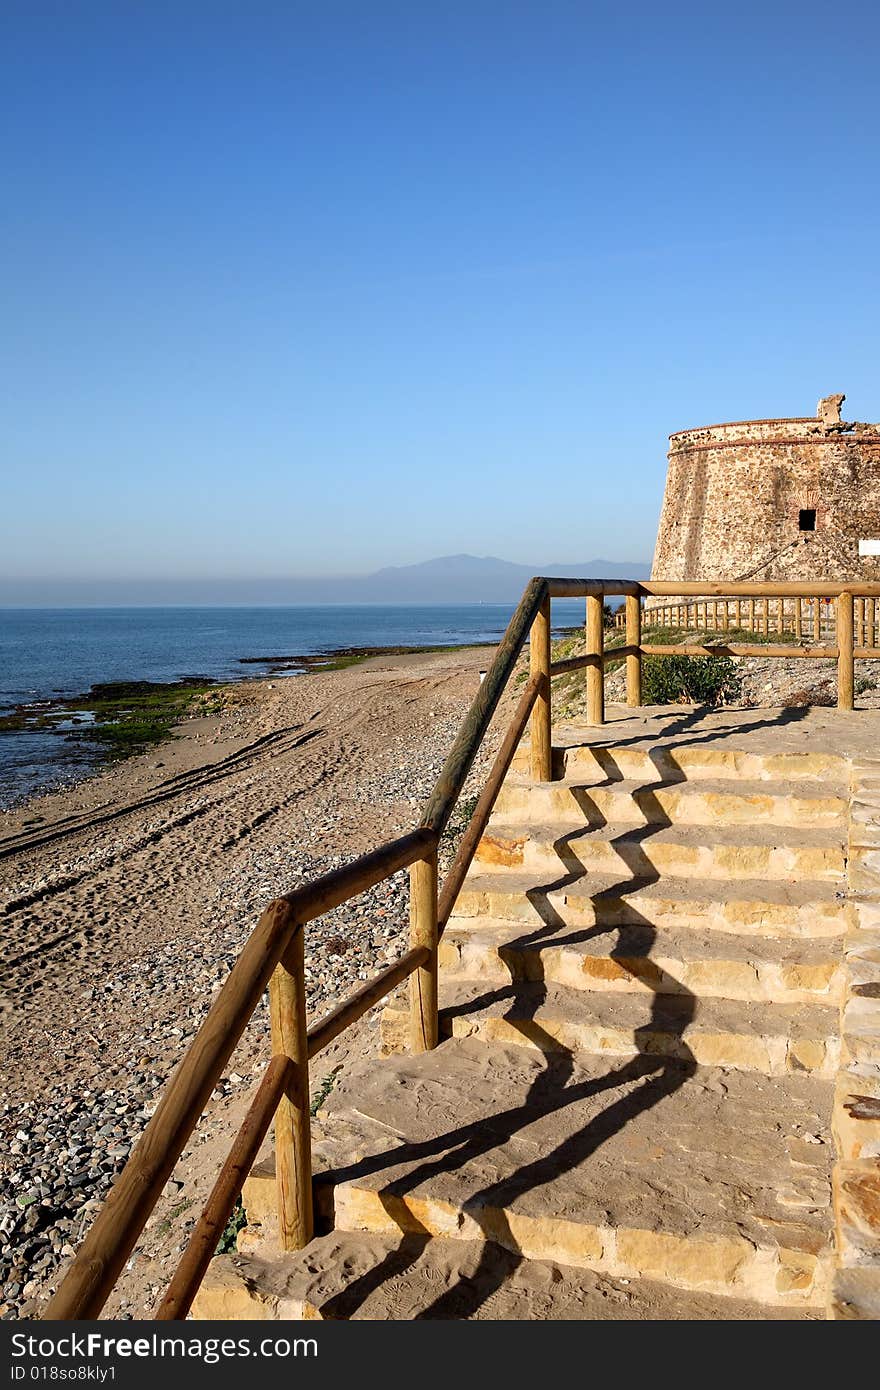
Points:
[(274, 953), (635, 1086)]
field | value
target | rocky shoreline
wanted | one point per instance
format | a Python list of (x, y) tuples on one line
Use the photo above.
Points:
[(110, 720)]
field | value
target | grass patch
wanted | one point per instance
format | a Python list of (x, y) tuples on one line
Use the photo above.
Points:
[(164, 1227), (339, 663), (135, 715)]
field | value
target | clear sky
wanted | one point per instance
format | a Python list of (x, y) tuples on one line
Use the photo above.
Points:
[(295, 288)]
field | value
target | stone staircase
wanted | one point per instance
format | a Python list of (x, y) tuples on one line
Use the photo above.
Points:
[(630, 1115)]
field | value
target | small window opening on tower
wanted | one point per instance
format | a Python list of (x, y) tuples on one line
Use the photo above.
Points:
[(807, 519)]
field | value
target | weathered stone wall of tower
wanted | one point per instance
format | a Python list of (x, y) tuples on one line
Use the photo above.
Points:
[(735, 494)]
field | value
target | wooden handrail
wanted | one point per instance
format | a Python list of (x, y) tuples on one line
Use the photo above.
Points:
[(357, 1004), (441, 802), (269, 952), (597, 588), (483, 809), (736, 649), (584, 588), (721, 588), (209, 1228), (112, 1238), (331, 890)]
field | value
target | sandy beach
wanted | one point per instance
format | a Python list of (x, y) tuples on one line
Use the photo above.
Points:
[(125, 903)]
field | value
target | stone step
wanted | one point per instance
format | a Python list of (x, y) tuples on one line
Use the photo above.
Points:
[(670, 761), (716, 852), (655, 802), (640, 958), (775, 1039), (394, 1277), (747, 907), (706, 1180)]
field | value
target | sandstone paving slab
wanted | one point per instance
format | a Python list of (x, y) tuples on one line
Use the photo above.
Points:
[(368, 1276), (711, 851), (772, 1038), (655, 800), (752, 907), (642, 957), (705, 1178), (824, 736)]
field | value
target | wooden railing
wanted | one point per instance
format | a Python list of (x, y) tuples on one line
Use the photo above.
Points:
[(805, 617), (275, 952)]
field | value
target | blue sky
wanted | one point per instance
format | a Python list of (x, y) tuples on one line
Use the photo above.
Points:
[(316, 287)]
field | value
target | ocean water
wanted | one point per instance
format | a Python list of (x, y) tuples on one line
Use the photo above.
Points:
[(48, 653)]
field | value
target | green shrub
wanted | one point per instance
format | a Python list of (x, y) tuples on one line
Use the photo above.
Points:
[(863, 684), (227, 1243), (696, 680)]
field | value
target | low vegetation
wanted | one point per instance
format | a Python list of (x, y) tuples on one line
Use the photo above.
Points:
[(122, 717), (692, 680), (708, 680)]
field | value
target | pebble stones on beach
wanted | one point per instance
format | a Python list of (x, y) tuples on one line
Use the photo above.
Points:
[(66, 1145)]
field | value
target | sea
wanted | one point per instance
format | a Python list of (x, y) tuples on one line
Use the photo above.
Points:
[(49, 653)]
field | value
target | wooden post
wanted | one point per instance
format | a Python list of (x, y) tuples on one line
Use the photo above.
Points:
[(860, 610), (872, 619), (845, 673), (423, 1025), (780, 616), (293, 1137), (595, 671), (751, 615), (766, 617), (798, 619), (634, 639), (539, 665)]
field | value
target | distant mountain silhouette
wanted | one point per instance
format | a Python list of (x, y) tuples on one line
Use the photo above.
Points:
[(473, 578), (448, 579)]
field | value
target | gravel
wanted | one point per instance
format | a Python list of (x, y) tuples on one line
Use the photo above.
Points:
[(65, 1148)]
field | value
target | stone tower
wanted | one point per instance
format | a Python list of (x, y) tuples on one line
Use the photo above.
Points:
[(772, 500)]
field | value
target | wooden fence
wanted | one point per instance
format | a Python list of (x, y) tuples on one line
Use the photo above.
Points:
[(274, 955), (809, 618)]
